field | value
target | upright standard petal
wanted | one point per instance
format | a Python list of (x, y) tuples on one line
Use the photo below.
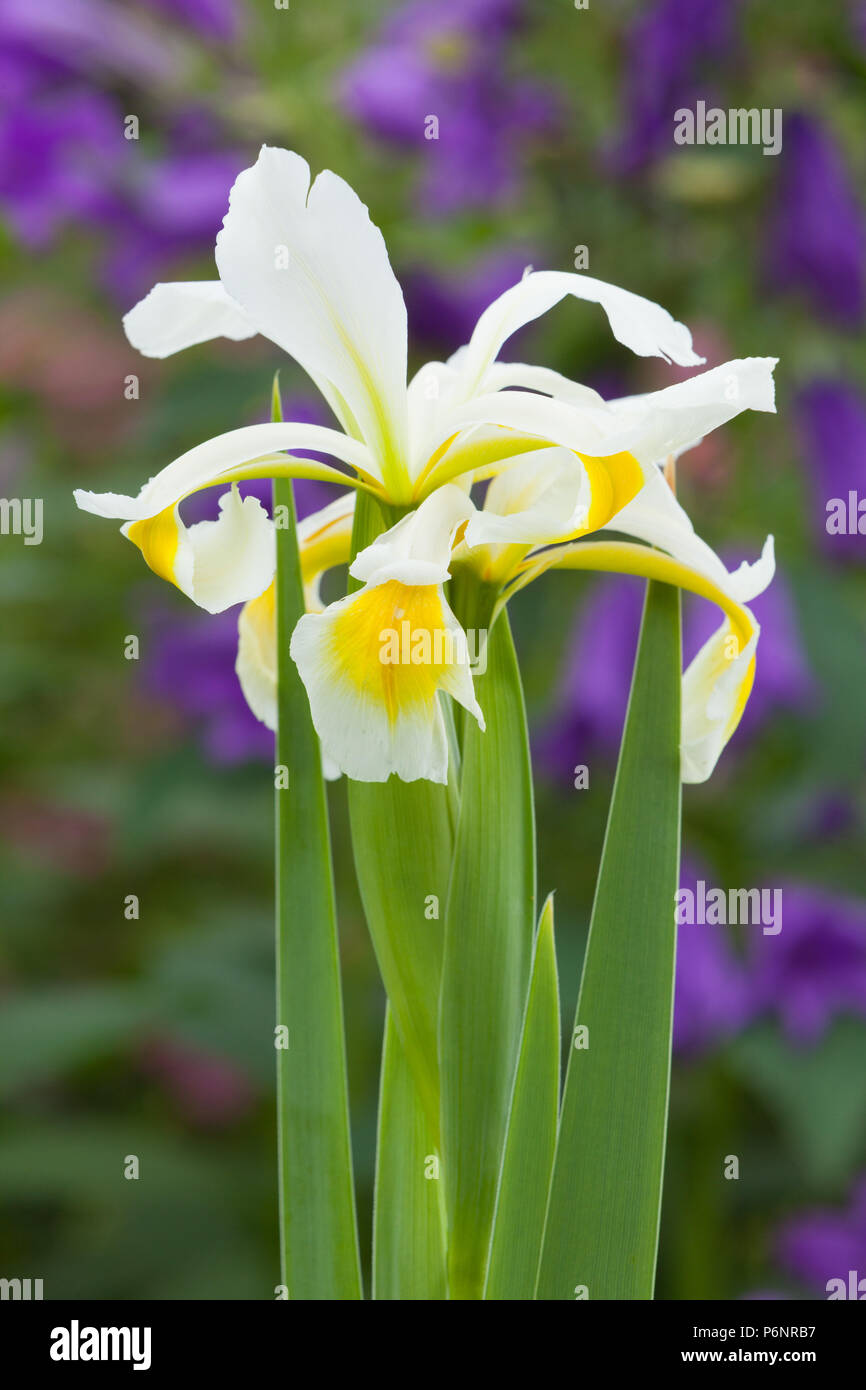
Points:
[(311, 270), (180, 315)]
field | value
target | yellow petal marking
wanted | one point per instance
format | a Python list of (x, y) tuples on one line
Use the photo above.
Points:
[(158, 539), (614, 480), (392, 646)]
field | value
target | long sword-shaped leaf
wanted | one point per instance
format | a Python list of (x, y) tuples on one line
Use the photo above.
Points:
[(489, 927), (408, 1208), (402, 838), (601, 1234), (318, 1231), (530, 1142)]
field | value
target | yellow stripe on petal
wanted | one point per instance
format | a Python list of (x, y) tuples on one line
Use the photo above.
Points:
[(614, 481), (158, 539)]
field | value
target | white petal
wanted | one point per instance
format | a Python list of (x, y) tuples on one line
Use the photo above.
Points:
[(650, 427), (179, 315), (209, 463), (504, 375), (539, 498), (715, 691), (215, 563), (418, 549), (674, 419), (312, 272), (638, 323), (375, 718), (256, 664)]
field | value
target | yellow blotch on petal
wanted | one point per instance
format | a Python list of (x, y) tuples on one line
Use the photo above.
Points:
[(614, 481), (392, 645), (158, 539)]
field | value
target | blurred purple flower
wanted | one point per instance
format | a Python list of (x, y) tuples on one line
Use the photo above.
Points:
[(216, 19), (447, 58), (824, 1244), (815, 968), (815, 233), (712, 997), (191, 666), (593, 694), (60, 156), (443, 309), (174, 205), (666, 51), (64, 161), (832, 419), (57, 37)]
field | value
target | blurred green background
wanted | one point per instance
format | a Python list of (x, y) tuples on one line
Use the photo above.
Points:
[(151, 1035)]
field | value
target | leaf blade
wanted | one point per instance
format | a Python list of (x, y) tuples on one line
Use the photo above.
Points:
[(530, 1144), (318, 1227), (602, 1224), (489, 929)]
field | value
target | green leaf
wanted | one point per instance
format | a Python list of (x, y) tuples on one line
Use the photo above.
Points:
[(489, 927), (402, 839), (408, 1207), (602, 1223), (318, 1230), (530, 1142)]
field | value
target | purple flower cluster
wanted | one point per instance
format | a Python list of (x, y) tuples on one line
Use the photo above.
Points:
[(712, 997), (443, 309), (820, 1245), (448, 60), (64, 159), (816, 235), (810, 973), (667, 49), (832, 419)]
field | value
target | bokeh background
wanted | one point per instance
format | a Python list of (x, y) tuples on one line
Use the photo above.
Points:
[(151, 1035)]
